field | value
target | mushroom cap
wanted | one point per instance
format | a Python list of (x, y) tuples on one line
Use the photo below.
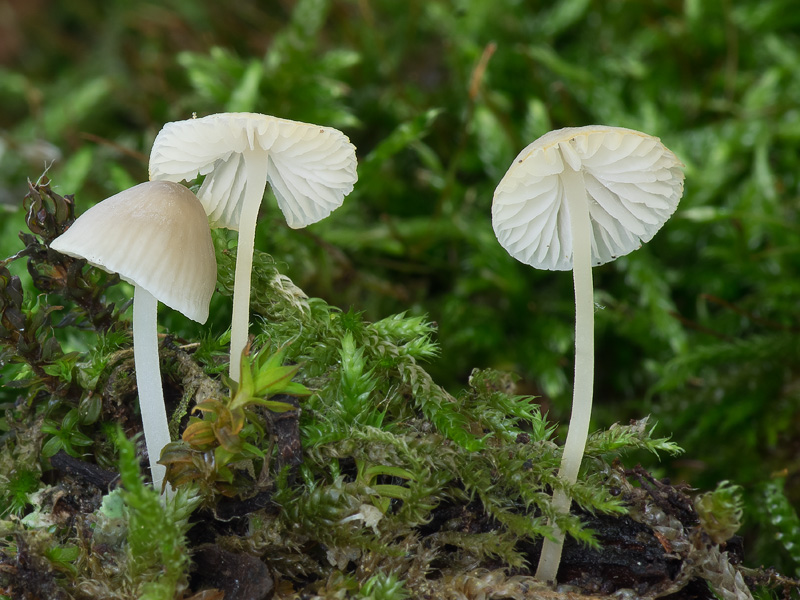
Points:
[(633, 185), (310, 168), (154, 235)]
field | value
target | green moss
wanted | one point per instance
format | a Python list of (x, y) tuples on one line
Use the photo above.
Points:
[(156, 557)]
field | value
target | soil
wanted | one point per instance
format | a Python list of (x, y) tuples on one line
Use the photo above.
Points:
[(637, 559)]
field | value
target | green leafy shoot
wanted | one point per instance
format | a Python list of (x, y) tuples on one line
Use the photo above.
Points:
[(65, 435), (784, 519), (16, 488), (720, 511), (636, 436), (263, 375), (156, 546), (383, 586)]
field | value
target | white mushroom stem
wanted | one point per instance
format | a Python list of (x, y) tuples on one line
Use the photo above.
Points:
[(148, 382), (256, 177), (580, 228)]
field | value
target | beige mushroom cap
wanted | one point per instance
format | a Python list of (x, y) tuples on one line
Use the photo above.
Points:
[(633, 185), (154, 235), (309, 167)]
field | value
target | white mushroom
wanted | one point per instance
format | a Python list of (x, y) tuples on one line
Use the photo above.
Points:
[(155, 236), (310, 168), (574, 198)]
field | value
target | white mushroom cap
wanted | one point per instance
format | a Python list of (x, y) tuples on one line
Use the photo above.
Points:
[(633, 185), (154, 235), (310, 168)]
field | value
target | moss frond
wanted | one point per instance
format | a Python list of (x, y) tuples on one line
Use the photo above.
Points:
[(156, 554), (625, 438)]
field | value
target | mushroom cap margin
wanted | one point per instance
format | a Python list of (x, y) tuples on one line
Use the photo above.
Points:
[(154, 235), (311, 168)]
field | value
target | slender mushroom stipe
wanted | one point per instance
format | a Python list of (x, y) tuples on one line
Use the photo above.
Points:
[(574, 198), (155, 423)]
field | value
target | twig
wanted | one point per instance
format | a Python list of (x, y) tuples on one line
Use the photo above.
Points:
[(88, 472)]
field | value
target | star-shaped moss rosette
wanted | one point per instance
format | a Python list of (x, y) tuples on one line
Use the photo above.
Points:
[(221, 429)]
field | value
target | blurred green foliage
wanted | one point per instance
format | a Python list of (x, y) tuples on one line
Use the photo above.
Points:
[(699, 327)]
